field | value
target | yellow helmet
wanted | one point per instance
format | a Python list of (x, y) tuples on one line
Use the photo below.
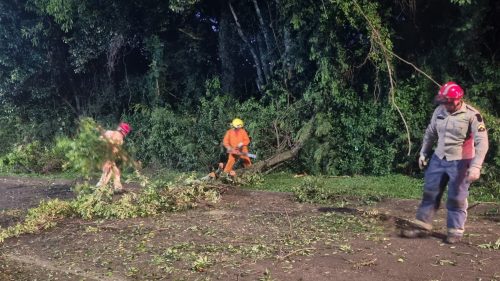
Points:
[(237, 123)]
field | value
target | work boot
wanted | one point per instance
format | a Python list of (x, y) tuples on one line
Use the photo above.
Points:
[(414, 233), (452, 239)]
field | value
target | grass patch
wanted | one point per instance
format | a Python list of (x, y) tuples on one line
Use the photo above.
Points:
[(392, 186), (366, 188)]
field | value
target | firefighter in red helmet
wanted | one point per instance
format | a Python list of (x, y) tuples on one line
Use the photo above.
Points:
[(115, 139), (461, 140)]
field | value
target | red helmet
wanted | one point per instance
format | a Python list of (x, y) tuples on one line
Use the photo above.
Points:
[(125, 128), (450, 91)]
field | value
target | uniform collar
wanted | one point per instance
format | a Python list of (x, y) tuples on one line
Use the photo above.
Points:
[(462, 109)]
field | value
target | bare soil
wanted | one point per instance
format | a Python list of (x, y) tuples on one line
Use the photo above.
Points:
[(248, 235)]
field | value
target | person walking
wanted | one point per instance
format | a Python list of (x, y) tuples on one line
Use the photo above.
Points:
[(110, 168), (462, 142)]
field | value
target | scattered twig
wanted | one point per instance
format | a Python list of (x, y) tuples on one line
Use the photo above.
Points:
[(473, 206), (362, 263), (483, 260), (294, 252), (289, 222)]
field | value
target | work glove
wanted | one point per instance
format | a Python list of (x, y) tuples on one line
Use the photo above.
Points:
[(473, 174), (422, 161), (240, 145)]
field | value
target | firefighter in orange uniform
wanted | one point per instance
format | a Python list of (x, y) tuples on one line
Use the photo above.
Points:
[(236, 142)]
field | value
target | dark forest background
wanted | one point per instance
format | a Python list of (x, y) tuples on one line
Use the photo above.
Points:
[(362, 73)]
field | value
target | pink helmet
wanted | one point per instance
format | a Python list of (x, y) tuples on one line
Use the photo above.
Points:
[(125, 128), (450, 91)]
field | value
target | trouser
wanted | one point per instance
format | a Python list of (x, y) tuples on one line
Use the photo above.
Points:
[(110, 169), (439, 174), (231, 160)]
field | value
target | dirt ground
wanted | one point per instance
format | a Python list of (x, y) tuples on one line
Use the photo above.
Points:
[(248, 235)]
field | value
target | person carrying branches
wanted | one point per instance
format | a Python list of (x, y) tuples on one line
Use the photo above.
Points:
[(110, 167)]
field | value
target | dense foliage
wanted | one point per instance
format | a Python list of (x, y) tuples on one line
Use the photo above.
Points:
[(180, 70)]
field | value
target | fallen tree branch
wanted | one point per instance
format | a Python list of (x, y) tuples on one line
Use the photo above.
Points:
[(280, 158)]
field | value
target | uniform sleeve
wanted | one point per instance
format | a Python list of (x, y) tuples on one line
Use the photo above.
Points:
[(430, 135), (478, 131), (226, 141), (245, 139)]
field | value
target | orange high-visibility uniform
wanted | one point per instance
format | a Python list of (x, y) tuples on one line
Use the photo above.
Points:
[(238, 141)]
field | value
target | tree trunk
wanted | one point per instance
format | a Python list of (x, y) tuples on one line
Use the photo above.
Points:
[(282, 157), (225, 38), (258, 66), (268, 53), (263, 26), (264, 59), (287, 64)]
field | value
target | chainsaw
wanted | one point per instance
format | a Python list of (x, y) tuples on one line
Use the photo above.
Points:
[(239, 153), (249, 155)]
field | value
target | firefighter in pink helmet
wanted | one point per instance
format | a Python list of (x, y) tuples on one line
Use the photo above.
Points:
[(461, 139), (110, 169)]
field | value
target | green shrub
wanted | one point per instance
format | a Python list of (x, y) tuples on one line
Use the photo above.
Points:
[(25, 158), (312, 189), (32, 158)]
